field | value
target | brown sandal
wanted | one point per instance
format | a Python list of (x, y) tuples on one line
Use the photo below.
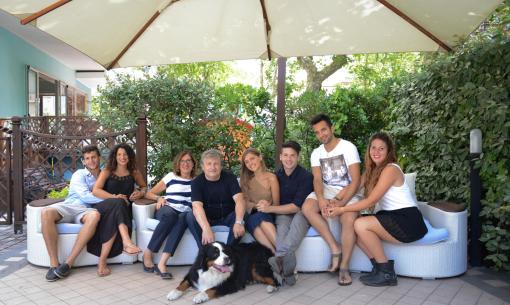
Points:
[(342, 277), (131, 249), (334, 265)]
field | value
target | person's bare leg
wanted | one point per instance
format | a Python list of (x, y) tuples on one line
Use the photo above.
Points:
[(269, 231), (49, 218), (262, 239), (312, 213), (348, 241), (363, 247), (102, 266), (165, 256), (126, 239), (89, 221), (348, 237), (371, 233), (147, 258)]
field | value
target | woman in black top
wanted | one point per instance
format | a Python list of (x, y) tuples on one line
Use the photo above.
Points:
[(116, 184)]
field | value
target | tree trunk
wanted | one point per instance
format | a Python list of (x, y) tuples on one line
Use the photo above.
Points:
[(314, 76)]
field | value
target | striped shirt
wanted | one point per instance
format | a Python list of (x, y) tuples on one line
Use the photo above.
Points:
[(178, 192)]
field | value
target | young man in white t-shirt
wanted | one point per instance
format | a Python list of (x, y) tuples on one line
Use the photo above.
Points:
[(336, 178)]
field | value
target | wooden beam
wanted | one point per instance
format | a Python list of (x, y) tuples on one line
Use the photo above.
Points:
[(280, 108), (267, 26), (415, 24), (44, 11), (133, 40)]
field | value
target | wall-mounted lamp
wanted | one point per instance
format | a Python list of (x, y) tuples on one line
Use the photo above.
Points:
[(475, 141), (475, 150)]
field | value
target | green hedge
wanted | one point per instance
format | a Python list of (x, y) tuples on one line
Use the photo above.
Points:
[(433, 115)]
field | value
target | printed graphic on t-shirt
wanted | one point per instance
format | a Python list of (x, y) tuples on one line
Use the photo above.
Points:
[(335, 171)]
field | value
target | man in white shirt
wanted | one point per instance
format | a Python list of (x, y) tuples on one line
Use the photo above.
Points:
[(75, 209), (336, 178)]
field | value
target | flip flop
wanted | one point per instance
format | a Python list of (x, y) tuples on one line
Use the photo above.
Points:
[(131, 249), (342, 277)]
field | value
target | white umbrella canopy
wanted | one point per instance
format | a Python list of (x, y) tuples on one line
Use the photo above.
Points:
[(127, 33)]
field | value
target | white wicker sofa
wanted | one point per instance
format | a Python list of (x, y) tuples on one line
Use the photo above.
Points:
[(442, 259), (36, 248)]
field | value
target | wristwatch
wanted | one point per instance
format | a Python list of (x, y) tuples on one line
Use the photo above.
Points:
[(241, 222)]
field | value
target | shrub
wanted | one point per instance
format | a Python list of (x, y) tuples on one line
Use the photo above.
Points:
[(432, 119)]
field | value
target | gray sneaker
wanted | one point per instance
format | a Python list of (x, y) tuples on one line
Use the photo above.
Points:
[(289, 264), (62, 270), (276, 265), (51, 276), (290, 280), (288, 269)]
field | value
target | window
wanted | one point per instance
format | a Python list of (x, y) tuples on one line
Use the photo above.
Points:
[(48, 96)]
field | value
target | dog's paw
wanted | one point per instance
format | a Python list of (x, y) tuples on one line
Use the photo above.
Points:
[(200, 297), (174, 295), (271, 289)]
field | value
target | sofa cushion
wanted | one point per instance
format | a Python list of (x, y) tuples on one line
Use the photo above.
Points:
[(151, 224), (434, 235), (312, 232), (68, 228), (411, 182)]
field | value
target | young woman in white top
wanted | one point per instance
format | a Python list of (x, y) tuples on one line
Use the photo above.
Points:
[(171, 211), (398, 221)]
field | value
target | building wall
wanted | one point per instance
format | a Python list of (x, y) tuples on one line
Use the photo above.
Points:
[(15, 55)]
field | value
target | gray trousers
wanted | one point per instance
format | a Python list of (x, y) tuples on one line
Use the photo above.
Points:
[(290, 231)]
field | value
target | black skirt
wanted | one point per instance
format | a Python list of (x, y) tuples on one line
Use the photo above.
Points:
[(114, 211), (406, 224)]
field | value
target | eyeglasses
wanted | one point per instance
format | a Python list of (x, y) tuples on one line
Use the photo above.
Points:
[(189, 161)]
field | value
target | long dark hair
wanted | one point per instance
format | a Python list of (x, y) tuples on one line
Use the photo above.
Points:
[(373, 171), (111, 163)]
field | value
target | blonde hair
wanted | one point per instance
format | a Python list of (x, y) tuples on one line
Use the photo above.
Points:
[(246, 174)]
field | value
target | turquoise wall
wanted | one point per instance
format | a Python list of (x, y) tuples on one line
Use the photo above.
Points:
[(15, 55)]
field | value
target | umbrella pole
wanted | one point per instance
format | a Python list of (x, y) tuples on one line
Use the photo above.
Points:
[(280, 107)]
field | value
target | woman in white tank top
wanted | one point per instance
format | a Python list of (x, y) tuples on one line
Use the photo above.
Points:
[(398, 221)]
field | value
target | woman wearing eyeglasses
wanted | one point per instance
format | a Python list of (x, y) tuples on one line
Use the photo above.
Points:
[(171, 211)]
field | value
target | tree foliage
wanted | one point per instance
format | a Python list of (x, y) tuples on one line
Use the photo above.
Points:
[(180, 116), (435, 112), (211, 72)]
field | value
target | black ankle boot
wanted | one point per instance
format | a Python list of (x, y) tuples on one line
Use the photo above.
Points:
[(384, 275), (373, 272)]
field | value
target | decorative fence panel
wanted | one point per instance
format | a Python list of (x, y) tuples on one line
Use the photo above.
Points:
[(47, 150), (5, 181)]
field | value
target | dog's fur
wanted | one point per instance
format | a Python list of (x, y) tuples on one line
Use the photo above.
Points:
[(220, 270)]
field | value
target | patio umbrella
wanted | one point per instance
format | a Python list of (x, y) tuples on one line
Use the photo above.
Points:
[(126, 33)]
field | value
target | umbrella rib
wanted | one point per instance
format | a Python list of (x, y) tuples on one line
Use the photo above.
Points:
[(267, 26), (415, 24), (133, 40), (44, 11)]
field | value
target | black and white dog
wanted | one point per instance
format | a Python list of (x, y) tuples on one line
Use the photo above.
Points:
[(220, 270)]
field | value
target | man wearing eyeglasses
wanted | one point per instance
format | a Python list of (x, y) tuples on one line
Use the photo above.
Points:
[(77, 208)]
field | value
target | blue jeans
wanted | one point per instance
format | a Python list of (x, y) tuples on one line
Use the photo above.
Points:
[(227, 221), (171, 227)]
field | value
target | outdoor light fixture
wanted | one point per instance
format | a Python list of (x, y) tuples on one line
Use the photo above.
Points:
[(475, 141), (475, 150)]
